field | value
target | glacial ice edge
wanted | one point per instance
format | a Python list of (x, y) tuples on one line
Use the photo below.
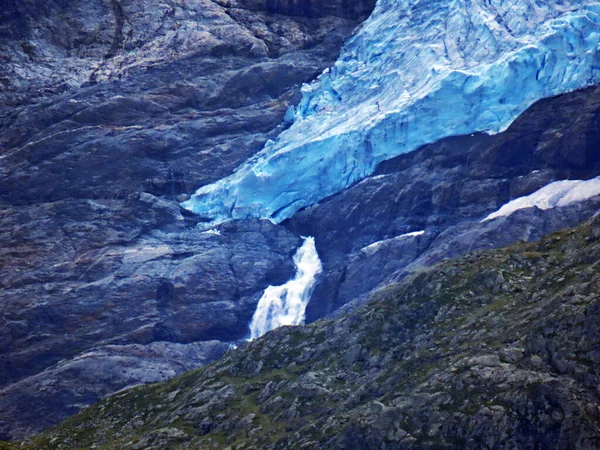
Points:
[(416, 72)]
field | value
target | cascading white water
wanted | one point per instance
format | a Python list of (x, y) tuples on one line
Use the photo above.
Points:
[(286, 304)]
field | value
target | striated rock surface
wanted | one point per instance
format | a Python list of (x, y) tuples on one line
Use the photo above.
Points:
[(497, 349), (111, 111)]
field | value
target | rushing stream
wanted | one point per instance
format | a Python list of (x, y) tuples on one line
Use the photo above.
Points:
[(286, 304)]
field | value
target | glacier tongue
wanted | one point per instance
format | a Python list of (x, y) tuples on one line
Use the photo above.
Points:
[(415, 72)]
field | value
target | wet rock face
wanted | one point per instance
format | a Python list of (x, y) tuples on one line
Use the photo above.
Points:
[(110, 113), (63, 306), (176, 287)]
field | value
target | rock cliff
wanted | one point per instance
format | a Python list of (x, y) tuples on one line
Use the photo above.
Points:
[(110, 113)]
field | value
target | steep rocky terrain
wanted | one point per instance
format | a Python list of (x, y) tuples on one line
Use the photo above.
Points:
[(112, 112), (497, 349)]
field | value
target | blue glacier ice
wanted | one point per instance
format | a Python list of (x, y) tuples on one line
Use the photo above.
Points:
[(416, 71)]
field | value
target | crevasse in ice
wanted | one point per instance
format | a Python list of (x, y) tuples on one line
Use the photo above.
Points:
[(416, 71)]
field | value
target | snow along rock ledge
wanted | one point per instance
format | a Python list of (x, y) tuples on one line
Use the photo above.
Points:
[(416, 72), (554, 195)]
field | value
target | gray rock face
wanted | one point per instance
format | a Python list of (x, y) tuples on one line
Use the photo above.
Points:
[(167, 287), (169, 96), (394, 259), (91, 376), (111, 111), (176, 287)]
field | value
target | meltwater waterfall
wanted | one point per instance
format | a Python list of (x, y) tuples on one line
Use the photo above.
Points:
[(286, 304)]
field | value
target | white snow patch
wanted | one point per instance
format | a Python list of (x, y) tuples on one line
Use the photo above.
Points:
[(556, 194), (375, 246), (412, 234)]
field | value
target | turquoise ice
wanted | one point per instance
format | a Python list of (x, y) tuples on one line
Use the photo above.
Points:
[(415, 72)]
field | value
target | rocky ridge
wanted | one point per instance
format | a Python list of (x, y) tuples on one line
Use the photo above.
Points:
[(496, 349)]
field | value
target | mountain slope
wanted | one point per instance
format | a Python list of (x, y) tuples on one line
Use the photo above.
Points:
[(497, 349), (111, 112)]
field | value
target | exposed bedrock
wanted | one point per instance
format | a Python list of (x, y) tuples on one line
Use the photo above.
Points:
[(111, 111)]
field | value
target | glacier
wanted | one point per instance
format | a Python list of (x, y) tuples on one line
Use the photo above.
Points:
[(554, 195), (286, 304), (415, 72)]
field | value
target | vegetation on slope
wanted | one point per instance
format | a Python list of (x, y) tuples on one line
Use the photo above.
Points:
[(497, 349)]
